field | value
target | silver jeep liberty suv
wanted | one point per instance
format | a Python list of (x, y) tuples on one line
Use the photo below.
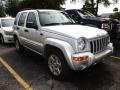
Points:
[(65, 45)]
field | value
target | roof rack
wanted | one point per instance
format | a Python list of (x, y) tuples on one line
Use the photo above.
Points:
[(26, 9)]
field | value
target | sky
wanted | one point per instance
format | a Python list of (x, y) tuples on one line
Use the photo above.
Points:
[(102, 9)]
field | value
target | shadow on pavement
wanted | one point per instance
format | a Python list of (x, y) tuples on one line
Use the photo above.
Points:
[(34, 69), (6, 45), (94, 78), (117, 51)]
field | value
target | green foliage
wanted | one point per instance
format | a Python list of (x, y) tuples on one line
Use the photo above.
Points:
[(89, 7), (115, 15), (115, 9), (92, 5), (42, 4), (2, 11), (12, 7)]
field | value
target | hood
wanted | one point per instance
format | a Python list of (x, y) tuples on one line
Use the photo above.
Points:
[(76, 31), (9, 29)]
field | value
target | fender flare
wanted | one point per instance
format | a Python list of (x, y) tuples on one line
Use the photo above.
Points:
[(64, 46)]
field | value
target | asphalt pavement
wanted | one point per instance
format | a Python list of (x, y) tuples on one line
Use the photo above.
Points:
[(32, 69)]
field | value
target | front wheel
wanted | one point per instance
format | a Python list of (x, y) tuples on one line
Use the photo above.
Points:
[(57, 65), (1, 39), (18, 46)]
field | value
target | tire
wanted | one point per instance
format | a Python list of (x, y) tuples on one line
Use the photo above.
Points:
[(2, 40), (18, 46), (57, 65)]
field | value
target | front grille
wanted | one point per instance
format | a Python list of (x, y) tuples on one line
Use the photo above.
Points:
[(99, 45), (8, 33)]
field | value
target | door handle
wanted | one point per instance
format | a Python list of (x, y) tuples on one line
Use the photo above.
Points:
[(17, 28), (41, 34), (26, 30)]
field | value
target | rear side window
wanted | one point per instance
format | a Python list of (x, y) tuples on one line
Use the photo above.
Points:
[(22, 19)]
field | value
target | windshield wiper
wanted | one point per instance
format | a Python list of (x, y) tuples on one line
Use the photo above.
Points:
[(68, 23), (64, 23)]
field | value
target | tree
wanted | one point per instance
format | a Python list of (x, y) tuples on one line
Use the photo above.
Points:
[(116, 15), (12, 7), (89, 7), (95, 4), (42, 4), (115, 9), (2, 11)]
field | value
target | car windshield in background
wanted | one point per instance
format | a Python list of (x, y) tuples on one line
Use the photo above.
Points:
[(54, 18), (85, 13), (7, 22)]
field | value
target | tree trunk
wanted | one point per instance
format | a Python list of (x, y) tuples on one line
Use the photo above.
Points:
[(97, 4), (92, 3), (93, 7)]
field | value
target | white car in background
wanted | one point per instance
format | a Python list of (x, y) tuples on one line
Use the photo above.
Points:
[(6, 31)]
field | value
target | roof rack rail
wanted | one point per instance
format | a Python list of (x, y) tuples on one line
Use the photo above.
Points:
[(26, 9)]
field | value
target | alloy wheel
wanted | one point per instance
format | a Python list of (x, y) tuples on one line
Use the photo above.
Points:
[(54, 65)]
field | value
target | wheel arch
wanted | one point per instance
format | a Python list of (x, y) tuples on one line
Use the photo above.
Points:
[(64, 47)]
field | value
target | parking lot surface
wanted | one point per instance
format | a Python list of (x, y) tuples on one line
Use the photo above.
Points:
[(33, 70)]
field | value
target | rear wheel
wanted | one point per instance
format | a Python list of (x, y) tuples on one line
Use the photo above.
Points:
[(18, 46), (57, 65)]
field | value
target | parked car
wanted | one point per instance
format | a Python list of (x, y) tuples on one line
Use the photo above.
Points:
[(65, 45), (6, 31), (86, 18)]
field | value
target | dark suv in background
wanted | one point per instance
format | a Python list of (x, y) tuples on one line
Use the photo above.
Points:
[(87, 18)]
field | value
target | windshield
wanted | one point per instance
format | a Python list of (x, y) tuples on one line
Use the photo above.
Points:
[(54, 18), (85, 13), (7, 22)]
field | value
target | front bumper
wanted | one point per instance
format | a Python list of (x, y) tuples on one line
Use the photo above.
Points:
[(93, 59)]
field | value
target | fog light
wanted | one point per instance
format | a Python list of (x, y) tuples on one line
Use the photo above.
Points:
[(80, 58)]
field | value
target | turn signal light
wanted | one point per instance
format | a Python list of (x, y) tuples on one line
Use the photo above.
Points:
[(81, 58)]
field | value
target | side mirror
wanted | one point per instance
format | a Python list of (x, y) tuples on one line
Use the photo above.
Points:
[(31, 25), (72, 15)]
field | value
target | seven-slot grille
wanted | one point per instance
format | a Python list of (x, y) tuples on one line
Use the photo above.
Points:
[(99, 45)]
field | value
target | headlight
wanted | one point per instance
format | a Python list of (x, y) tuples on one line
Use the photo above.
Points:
[(81, 43), (105, 26)]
